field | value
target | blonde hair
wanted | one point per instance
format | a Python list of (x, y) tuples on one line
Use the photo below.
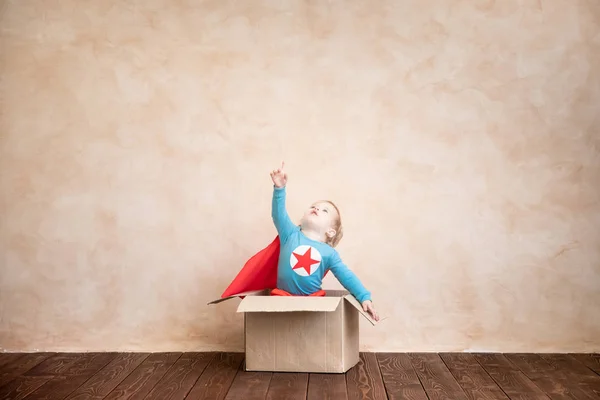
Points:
[(337, 225)]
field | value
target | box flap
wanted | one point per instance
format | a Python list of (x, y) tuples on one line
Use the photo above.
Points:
[(288, 304), (250, 293), (352, 300)]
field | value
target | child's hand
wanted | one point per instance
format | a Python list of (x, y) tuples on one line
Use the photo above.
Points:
[(368, 307), (279, 177)]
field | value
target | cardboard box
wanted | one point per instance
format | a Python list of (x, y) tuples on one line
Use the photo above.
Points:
[(300, 334)]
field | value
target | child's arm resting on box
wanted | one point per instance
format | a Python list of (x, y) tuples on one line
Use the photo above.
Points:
[(351, 282), (348, 279)]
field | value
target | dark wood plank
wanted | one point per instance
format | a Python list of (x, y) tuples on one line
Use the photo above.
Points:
[(215, 381), (37, 376), (363, 381), (217, 376), (571, 366), (141, 381), (249, 385), (102, 383), (83, 369), (578, 373), (181, 377), (55, 365), (399, 377), (474, 380), (511, 380), (327, 387), (21, 386), (435, 377), (6, 358), (555, 383), (20, 366), (592, 361), (288, 386)]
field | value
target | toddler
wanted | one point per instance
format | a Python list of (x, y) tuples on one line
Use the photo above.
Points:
[(307, 251)]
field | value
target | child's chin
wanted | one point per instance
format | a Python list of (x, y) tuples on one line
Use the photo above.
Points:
[(307, 224)]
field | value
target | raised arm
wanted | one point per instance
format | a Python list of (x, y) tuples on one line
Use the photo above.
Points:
[(281, 219)]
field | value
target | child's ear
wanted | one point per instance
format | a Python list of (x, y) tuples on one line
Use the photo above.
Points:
[(330, 233)]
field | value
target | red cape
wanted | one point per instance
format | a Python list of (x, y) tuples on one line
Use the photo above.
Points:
[(258, 273)]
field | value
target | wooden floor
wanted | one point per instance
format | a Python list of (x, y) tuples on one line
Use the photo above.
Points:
[(221, 376)]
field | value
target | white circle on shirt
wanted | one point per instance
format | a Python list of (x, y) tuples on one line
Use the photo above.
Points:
[(305, 260)]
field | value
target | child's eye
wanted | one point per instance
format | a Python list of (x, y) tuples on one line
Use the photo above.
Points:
[(326, 210)]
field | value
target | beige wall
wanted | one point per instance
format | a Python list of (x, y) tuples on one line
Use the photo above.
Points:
[(461, 140)]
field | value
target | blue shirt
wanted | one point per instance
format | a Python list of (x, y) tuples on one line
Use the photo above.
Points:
[(303, 262)]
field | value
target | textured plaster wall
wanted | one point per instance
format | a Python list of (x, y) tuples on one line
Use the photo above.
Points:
[(461, 140)]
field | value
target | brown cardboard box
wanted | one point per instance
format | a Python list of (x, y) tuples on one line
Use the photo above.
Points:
[(300, 334)]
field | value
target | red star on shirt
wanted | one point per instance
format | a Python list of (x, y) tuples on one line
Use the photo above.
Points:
[(304, 261)]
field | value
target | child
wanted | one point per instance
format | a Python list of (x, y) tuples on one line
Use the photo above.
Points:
[(307, 251)]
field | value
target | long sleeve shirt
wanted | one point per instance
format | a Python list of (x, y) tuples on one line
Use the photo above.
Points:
[(303, 262)]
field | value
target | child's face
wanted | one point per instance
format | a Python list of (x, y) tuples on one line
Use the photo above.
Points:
[(321, 217)]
